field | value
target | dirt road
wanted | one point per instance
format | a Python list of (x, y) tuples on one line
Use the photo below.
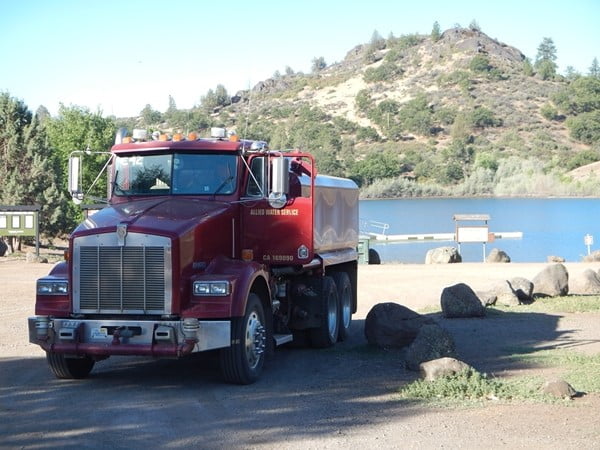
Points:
[(343, 397)]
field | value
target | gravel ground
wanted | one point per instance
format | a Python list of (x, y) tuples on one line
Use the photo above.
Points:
[(345, 397)]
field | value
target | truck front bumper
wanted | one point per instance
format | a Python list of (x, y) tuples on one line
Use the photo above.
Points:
[(102, 338)]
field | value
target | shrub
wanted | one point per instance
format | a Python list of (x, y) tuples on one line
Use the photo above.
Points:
[(388, 71)]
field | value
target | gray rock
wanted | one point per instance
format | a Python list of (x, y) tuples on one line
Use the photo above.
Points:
[(559, 388), (33, 258), (390, 325), (555, 259), (443, 255), (460, 301), (487, 298), (498, 256), (441, 367), (592, 257), (432, 342), (587, 283), (552, 281), (523, 289), (505, 295)]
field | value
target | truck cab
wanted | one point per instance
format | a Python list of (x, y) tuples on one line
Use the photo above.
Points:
[(205, 243)]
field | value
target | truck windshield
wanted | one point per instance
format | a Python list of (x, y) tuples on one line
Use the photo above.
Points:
[(178, 173)]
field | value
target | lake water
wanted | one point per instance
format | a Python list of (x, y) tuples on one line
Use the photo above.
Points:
[(555, 226)]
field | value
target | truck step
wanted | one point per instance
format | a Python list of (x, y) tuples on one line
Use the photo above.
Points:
[(281, 339)]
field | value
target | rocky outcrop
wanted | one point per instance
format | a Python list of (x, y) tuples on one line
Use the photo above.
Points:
[(442, 255), (553, 281), (460, 301), (390, 325)]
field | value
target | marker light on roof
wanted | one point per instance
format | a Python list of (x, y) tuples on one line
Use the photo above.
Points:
[(177, 137), (192, 136)]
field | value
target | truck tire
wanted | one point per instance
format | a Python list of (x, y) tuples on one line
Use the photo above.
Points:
[(243, 361), (344, 291), (374, 257), (326, 334), (69, 368)]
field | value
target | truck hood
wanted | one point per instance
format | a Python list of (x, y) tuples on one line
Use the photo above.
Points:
[(172, 216)]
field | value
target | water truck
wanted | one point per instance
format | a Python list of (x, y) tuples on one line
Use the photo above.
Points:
[(205, 244)]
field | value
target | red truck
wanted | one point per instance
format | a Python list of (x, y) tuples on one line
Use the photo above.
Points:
[(205, 244)]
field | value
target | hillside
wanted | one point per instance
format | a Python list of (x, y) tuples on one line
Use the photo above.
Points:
[(463, 114)]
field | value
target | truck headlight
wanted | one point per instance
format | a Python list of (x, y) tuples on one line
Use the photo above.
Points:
[(52, 287), (211, 288)]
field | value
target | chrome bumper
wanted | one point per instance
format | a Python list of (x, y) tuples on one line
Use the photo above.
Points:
[(128, 337)]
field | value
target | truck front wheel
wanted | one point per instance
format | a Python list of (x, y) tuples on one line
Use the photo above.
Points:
[(243, 361), (326, 334), (69, 368)]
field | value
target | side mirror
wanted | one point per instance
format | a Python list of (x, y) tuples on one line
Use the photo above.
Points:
[(75, 179), (280, 186)]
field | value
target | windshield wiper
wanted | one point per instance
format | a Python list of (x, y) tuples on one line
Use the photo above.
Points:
[(222, 185)]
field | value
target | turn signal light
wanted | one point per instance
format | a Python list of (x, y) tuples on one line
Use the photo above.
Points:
[(247, 254)]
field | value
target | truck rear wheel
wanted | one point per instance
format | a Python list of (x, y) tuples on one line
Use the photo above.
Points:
[(243, 361), (326, 334), (69, 368), (344, 290)]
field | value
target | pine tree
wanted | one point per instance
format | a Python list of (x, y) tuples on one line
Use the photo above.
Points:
[(545, 63), (436, 33), (594, 69)]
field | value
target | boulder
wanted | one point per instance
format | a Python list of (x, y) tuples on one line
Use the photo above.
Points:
[(552, 281), (390, 325), (505, 295), (559, 388), (442, 255), (523, 289), (487, 298), (587, 283), (555, 259), (31, 257), (3, 248), (592, 257), (498, 256), (432, 342), (441, 367), (460, 301)]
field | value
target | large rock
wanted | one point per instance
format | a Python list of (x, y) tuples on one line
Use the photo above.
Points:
[(498, 256), (592, 257), (432, 342), (587, 283), (552, 281), (442, 255), (31, 257), (460, 301), (441, 367), (523, 289), (505, 295), (390, 325), (559, 388)]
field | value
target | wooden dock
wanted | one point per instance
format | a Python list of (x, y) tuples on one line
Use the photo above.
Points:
[(435, 236)]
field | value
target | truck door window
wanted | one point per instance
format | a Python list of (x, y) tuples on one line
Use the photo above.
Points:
[(256, 180)]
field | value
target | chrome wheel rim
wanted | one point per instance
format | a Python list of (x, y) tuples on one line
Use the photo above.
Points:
[(255, 340)]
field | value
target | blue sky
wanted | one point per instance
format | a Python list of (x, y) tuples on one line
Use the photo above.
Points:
[(119, 55)]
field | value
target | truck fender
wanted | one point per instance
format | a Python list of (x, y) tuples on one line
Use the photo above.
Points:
[(249, 277)]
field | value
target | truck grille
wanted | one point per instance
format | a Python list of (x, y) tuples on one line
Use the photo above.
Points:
[(122, 279)]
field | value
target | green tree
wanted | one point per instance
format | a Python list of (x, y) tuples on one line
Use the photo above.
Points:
[(318, 64), (77, 129), (28, 167), (474, 26), (594, 71), (436, 33), (150, 116), (527, 68), (545, 63)]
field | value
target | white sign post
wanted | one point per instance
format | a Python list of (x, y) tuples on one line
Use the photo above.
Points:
[(588, 240)]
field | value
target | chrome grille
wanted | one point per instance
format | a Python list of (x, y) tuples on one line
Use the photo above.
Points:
[(122, 279)]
